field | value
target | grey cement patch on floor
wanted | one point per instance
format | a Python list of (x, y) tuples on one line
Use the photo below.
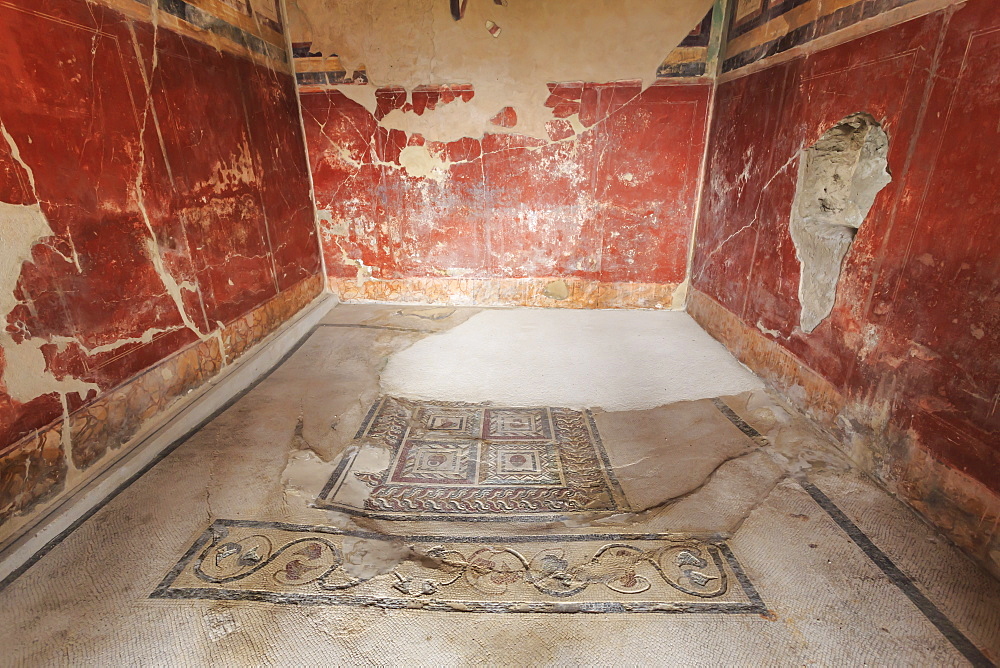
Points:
[(615, 360), (260, 463)]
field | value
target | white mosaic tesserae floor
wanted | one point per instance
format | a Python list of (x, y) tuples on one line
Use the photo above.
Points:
[(429, 486)]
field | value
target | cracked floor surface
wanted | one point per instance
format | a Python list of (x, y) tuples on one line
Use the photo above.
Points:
[(742, 536)]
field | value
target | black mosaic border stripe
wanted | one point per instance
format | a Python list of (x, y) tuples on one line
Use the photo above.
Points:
[(903, 582), (163, 454), (609, 470), (740, 423), (878, 557)]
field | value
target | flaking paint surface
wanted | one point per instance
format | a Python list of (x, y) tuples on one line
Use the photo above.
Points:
[(614, 203), (152, 191)]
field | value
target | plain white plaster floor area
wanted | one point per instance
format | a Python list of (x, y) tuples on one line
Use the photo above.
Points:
[(615, 360)]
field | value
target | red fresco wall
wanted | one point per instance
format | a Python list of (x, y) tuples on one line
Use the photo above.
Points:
[(613, 204), (207, 168), (913, 340)]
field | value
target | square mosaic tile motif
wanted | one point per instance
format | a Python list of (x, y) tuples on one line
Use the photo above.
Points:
[(469, 462), (246, 560)]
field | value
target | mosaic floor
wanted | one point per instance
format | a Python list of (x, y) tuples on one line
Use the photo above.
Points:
[(322, 519), (295, 564), (444, 461)]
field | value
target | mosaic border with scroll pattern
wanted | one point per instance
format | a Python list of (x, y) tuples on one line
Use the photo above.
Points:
[(305, 568)]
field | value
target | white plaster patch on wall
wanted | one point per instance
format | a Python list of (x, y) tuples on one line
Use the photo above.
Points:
[(225, 175), (543, 357), (25, 373), (419, 162), (329, 226), (23, 226), (419, 43)]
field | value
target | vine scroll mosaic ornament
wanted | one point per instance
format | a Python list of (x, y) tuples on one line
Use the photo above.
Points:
[(300, 564), (446, 461)]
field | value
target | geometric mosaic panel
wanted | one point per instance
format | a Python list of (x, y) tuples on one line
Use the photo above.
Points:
[(449, 461)]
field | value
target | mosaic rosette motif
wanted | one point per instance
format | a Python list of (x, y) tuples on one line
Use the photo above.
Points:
[(299, 564), (456, 461)]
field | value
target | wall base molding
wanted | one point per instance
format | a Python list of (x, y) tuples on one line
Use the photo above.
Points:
[(172, 429), (962, 508), (199, 390), (549, 292)]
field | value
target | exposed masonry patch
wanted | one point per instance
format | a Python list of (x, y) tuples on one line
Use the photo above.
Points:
[(839, 177)]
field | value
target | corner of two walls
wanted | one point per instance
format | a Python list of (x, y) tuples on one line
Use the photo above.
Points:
[(156, 218), (904, 369), (522, 169)]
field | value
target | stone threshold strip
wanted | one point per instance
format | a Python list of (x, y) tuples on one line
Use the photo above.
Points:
[(294, 564)]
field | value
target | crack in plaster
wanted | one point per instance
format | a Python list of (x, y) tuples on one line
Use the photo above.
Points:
[(152, 245), (420, 162), (744, 176)]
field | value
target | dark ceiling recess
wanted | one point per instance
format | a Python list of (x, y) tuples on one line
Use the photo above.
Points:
[(458, 9)]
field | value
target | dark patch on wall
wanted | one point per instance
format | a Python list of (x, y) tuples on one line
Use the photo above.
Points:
[(302, 50), (762, 15), (696, 69), (787, 41), (820, 27), (701, 35), (681, 62), (331, 78), (201, 19)]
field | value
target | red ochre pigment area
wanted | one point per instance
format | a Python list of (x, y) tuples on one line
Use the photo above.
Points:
[(914, 332), (615, 203), (190, 159)]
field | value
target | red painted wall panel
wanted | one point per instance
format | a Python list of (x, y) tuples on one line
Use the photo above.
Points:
[(209, 180), (615, 203), (914, 332)]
